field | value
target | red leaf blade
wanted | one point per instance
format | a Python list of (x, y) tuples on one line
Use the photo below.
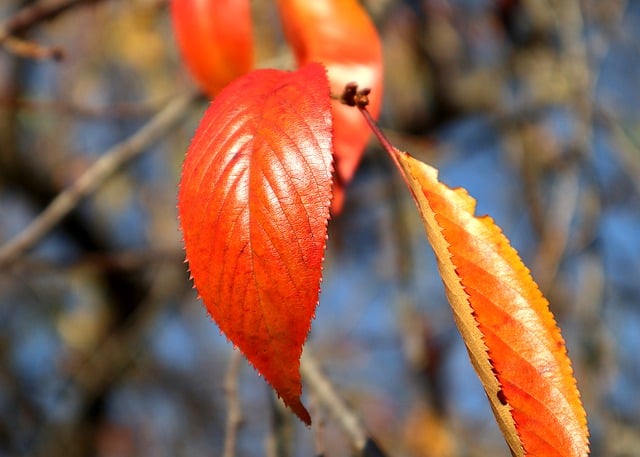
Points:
[(215, 48), (340, 35), (254, 204), (510, 333)]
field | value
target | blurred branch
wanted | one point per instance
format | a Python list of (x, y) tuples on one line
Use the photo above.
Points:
[(319, 423), (281, 434), (34, 14), (125, 260), (31, 50), (96, 175), (30, 16), (556, 231), (628, 148), (89, 379), (564, 200), (123, 110), (346, 418), (234, 412)]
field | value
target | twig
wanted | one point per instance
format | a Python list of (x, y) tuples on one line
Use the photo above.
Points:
[(36, 13), (556, 231), (125, 260), (319, 422), (564, 203), (109, 360), (234, 412), (118, 111), (327, 394), (346, 418), (280, 438), (28, 17), (95, 176), (628, 149), (31, 49)]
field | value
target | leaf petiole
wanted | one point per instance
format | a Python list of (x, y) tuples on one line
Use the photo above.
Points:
[(351, 96)]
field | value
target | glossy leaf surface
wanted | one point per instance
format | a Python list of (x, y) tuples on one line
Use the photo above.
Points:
[(254, 204), (510, 333), (215, 38), (340, 35)]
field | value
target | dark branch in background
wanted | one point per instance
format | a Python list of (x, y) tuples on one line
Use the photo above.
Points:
[(115, 111), (281, 433), (95, 176), (30, 16), (32, 50), (125, 290), (108, 362), (37, 13)]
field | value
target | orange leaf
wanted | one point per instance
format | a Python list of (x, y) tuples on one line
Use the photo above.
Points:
[(339, 34), (215, 38), (512, 338), (254, 204)]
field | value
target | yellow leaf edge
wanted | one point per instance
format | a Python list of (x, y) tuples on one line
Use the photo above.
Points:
[(459, 299)]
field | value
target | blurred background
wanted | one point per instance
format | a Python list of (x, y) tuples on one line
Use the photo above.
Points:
[(532, 105)]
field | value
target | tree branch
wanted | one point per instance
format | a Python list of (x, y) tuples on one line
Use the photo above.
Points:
[(234, 412), (36, 13), (95, 176), (347, 419), (28, 17)]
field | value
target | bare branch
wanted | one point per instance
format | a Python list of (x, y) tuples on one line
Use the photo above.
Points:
[(280, 438), (32, 50), (346, 418), (234, 412), (36, 13), (95, 176), (110, 359), (28, 17)]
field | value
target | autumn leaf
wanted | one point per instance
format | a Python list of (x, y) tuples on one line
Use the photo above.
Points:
[(254, 204), (511, 335), (215, 38), (339, 34)]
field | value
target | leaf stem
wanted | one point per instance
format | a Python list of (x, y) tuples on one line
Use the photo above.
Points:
[(384, 141), (352, 96)]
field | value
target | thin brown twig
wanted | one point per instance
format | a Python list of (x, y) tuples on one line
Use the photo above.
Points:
[(31, 49), (28, 17), (319, 422), (34, 14), (281, 434), (101, 261), (627, 148), (124, 110), (329, 397), (112, 356), (234, 411), (112, 160), (556, 231), (564, 203)]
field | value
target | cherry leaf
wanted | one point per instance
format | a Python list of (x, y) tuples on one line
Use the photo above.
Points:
[(511, 335), (215, 38), (254, 205), (339, 34)]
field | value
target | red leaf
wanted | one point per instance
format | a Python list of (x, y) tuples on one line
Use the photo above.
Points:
[(254, 204), (511, 335), (215, 38), (339, 34), (513, 340)]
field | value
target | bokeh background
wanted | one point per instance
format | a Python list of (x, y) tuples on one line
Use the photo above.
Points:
[(532, 105)]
